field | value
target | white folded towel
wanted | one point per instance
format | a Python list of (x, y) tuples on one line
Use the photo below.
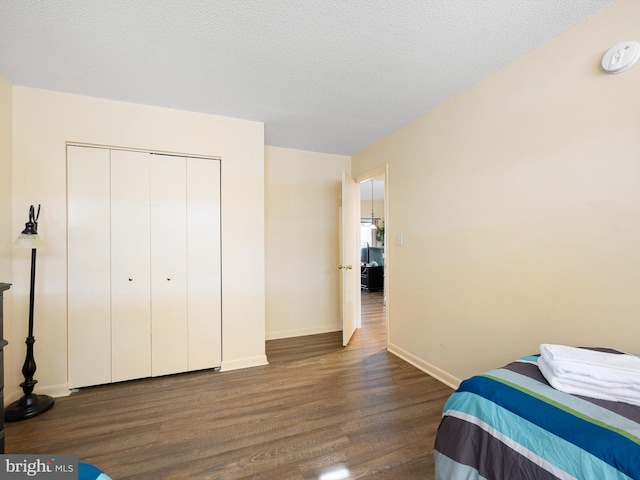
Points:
[(607, 376)]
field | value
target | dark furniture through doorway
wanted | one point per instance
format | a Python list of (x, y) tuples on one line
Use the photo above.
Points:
[(371, 278)]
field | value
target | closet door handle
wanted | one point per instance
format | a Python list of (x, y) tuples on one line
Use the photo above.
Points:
[(168, 279), (131, 279)]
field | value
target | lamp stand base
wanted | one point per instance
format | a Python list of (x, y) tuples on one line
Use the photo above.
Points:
[(27, 407)]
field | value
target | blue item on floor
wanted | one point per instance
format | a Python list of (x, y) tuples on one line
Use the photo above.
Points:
[(86, 471)]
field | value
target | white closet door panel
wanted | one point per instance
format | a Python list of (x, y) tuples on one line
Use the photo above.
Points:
[(130, 265), (89, 263), (204, 264), (168, 265)]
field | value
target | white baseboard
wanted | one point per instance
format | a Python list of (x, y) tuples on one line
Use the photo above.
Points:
[(426, 367), (55, 391), (302, 332), (243, 363)]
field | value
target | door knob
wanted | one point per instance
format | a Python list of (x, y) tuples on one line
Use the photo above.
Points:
[(339, 267), (348, 267), (131, 279)]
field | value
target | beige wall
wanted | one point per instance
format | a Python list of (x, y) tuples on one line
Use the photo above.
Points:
[(6, 230), (6, 129), (301, 240), (43, 122), (365, 206), (528, 229), (378, 210)]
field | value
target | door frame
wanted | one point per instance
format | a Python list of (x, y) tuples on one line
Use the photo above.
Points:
[(369, 175)]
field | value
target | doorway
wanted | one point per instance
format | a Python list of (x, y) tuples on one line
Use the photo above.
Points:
[(373, 254)]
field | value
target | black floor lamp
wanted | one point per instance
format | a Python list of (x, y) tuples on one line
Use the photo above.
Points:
[(30, 404)]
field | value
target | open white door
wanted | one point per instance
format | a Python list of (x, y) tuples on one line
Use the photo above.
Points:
[(350, 265)]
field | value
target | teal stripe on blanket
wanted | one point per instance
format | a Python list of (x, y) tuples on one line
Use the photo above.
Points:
[(530, 358), (597, 442), (582, 408), (86, 471)]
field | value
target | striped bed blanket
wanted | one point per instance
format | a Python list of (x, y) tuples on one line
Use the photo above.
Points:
[(509, 424)]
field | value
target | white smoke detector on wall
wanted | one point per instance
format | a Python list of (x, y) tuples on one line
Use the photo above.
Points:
[(620, 57)]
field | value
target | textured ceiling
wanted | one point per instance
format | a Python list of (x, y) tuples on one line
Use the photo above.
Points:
[(329, 76)]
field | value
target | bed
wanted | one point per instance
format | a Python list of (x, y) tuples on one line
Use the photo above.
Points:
[(509, 424)]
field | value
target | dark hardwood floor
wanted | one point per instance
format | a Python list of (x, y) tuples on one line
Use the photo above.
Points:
[(317, 411)]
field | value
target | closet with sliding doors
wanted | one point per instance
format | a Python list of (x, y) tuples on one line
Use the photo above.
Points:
[(144, 268)]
